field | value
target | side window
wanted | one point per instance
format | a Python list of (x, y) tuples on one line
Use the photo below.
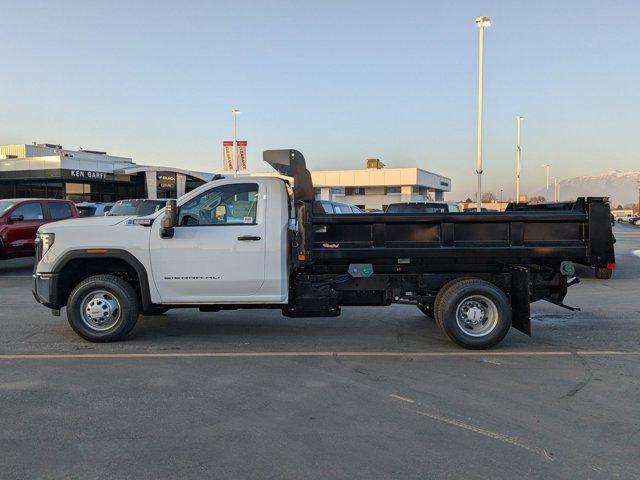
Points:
[(107, 208), (342, 209), (59, 210), (328, 208), (233, 204), (30, 211)]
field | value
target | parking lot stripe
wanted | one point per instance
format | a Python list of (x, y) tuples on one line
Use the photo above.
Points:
[(486, 433), (57, 356)]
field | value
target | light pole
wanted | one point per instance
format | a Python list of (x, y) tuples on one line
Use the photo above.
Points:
[(518, 151), (482, 22), (235, 112), (556, 190), (501, 195), (547, 167)]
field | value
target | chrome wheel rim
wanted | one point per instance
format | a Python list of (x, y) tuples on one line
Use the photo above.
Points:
[(100, 310), (477, 315)]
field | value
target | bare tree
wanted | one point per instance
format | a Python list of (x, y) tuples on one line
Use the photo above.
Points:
[(488, 197)]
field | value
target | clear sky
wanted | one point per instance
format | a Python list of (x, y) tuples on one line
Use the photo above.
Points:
[(339, 80)]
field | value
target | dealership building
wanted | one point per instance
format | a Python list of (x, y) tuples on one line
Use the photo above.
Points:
[(375, 187), (50, 171)]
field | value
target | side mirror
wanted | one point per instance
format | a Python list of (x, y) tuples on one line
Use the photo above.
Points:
[(16, 218), (170, 219)]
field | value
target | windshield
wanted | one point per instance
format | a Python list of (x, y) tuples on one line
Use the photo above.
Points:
[(417, 208), (139, 208), (5, 205)]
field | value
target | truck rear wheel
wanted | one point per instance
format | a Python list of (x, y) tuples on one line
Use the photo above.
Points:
[(603, 273), (474, 313), (103, 308)]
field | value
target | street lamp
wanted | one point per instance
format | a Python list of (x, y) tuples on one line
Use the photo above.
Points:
[(501, 195), (235, 112), (482, 22), (518, 151), (547, 167), (556, 190)]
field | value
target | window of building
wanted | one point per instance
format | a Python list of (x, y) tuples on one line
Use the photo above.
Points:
[(392, 190), (354, 191), (223, 205), (29, 211), (59, 210)]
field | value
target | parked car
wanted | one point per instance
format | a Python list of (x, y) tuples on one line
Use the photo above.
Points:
[(626, 218), (635, 220), (93, 209), (20, 219), (430, 206), (136, 207), (339, 208)]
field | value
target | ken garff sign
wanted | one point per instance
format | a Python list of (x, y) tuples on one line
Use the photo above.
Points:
[(88, 174)]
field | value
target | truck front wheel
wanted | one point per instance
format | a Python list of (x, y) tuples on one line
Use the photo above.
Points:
[(474, 313), (103, 308)]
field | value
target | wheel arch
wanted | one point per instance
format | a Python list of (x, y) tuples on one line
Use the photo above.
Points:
[(76, 265)]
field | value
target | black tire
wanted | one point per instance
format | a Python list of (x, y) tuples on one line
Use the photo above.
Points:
[(478, 292), (441, 292), (155, 311), (427, 309), (125, 303), (603, 273)]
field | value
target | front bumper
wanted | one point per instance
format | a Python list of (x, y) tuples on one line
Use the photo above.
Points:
[(45, 289)]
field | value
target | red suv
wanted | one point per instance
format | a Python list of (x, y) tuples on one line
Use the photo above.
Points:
[(20, 219)]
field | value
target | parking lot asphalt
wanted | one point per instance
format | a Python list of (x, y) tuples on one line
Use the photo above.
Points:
[(375, 393)]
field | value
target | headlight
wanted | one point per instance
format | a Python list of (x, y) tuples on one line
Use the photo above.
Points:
[(46, 240)]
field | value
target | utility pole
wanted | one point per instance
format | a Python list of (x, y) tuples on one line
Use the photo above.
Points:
[(638, 182), (518, 152), (547, 167), (556, 190), (235, 112), (482, 22)]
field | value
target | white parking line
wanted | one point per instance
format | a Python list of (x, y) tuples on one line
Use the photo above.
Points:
[(462, 353), (486, 433), (404, 399)]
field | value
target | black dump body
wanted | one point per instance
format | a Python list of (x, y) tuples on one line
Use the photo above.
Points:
[(409, 258), (581, 234)]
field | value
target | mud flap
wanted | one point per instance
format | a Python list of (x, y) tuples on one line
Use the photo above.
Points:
[(520, 300)]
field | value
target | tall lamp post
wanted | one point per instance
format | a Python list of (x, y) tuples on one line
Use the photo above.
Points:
[(482, 22), (518, 152), (547, 167), (235, 112)]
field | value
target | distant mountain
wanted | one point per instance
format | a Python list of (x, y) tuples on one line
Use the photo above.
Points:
[(621, 187)]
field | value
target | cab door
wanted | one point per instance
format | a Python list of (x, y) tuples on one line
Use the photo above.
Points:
[(217, 253), (22, 225)]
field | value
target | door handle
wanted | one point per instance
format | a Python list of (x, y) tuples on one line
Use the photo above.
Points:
[(246, 238)]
